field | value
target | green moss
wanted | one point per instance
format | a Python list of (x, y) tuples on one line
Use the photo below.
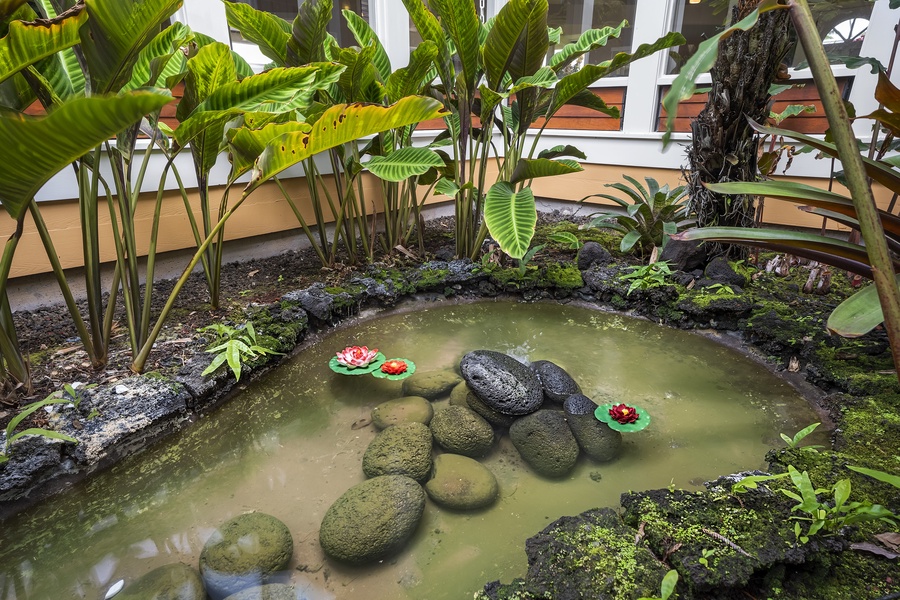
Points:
[(858, 370), (607, 238), (564, 276), (429, 278)]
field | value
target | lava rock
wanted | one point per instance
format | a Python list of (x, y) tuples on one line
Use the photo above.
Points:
[(462, 431), (721, 272), (169, 582), (600, 442), (461, 483), (684, 255), (558, 385), (545, 442), (502, 382), (430, 384), (373, 519), (403, 449), (408, 409), (591, 253), (244, 552), (270, 591), (490, 415), (314, 300)]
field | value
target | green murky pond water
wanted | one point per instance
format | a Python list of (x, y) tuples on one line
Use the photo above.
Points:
[(285, 446)]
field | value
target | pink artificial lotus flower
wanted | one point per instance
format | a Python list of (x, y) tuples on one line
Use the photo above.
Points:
[(356, 356)]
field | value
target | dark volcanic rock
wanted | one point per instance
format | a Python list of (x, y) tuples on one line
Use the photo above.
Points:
[(558, 385), (403, 449), (721, 272), (460, 430), (315, 300), (545, 442), (502, 382), (683, 256), (494, 417), (598, 440), (591, 253)]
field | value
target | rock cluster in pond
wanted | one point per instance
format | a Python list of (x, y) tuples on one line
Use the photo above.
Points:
[(462, 431), (502, 382), (461, 483), (408, 409), (545, 442)]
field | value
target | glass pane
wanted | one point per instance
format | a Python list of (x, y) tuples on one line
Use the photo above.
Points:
[(697, 20), (577, 16), (338, 26)]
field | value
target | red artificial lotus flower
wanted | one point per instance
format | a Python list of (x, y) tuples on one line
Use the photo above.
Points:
[(624, 414), (394, 367), (356, 356)]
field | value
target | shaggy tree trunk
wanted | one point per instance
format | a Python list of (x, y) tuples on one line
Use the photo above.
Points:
[(724, 146)]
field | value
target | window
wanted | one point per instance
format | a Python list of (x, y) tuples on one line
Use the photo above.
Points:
[(577, 16)]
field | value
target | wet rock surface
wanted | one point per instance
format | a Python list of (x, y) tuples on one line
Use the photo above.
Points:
[(430, 384), (170, 582), (403, 449), (502, 382), (461, 483), (593, 253), (545, 442), (408, 409), (271, 591), (462, 431), (597, 440), (557, 383)]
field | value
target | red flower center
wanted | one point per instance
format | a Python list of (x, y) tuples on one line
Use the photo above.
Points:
[(624, 414), (393, 367)]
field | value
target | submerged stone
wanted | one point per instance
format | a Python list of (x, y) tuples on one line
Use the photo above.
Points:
[(494, 417), (373, 519), (545, 442), (458, 395), (462, 483), (430, 384), (270, 591), (462, 431), (169, 582), (558, 385), (502, 382), (403, 449), (597, 439), (244, 552), (408, 409)]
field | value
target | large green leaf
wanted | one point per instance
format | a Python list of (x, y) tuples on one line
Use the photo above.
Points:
[(359, 81), (430, 29), (461, 23), (588, 99), (570, 85), (365, 36), (410, 79), (28, 42), (339, 124), (62, 70), (114, 35), (510, 217), (517, 43), (8, 7), (151, 67), (33, 150), (558, 151), (309, 34), (857, 315), (531, 168), (15, 94), (703, 59), (269, 32), (247, 144), (404, 163), (589, 40)]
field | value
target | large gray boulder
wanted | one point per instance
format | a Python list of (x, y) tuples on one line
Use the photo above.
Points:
[(244, 552), (408, 409), (176, 581), (502, 382), (403, 449), (558, 385), (270, 591), (494, 417), (430, 384), (462, 483), (373, 519), (597, 439), (545, 442), (461, 431)]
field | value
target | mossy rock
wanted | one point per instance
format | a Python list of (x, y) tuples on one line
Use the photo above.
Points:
[(458, 395), (462, 431), (169, 582), (270, 591), (494, 417), (596, 439), (408, 409), (545, 442), (430, 384), (244, 552), (462, 483), (403, 449), (373, 519)]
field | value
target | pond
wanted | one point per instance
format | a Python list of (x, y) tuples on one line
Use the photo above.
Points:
[(286, 445)]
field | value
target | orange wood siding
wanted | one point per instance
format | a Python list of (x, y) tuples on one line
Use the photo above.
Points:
[(578, 117)]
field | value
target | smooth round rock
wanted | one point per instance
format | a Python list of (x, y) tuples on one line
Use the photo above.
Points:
[(461, 483), (270, 591), (458, 394), (558, 385), (462, 431), (502, 382), (403, 449), (597, 439), (545, 442), (373, 519), (430, 384), (490, 415), (169, 582), (244, 552), (408, 409)]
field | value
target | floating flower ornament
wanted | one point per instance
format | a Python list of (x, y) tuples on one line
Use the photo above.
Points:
[(623, 417), (356, 360), (395, 368)]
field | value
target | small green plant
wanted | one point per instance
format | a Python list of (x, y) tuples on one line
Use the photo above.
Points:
[(666, 588), (893, 480), (647, 276), (73, 394), (523, 262), (647, 218), (705, 556), (234, 345), (14, 422), (566, 239), (719, 290), (752, 482), (798, 437)]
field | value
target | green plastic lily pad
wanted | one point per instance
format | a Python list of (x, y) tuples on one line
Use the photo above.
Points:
[(369, 368), (602, 414), (410, 369)]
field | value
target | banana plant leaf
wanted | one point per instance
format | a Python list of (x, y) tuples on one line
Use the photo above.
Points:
[(517, 43), (410, 79), (559, 151), (339, 124), (359, 80), (510, 217), (531, 168), (155, 62), (33, 150), (28, 42), (366, 37), (891, 239), (404, 163), (114, 35), (309, 38), (8, 7), (269, 32), (62, 70), (246, 143), (461, 23), (429, 29), (587, 41), (857, 315), (15, 94)]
